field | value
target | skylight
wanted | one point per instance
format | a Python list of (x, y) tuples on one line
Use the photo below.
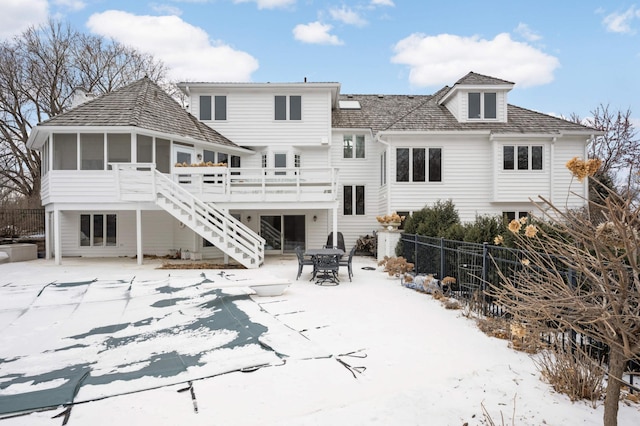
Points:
[(349, 104)]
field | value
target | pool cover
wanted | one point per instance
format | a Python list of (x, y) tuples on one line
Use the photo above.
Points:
[(63, 343)]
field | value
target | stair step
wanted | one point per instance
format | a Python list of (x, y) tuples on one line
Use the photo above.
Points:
[(208, 225)]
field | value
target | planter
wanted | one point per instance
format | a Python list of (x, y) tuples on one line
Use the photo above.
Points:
[(269, 289), (390, 226)]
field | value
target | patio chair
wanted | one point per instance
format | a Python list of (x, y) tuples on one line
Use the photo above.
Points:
[(326, 269), (347, 261), (302, 260), (340, 242)]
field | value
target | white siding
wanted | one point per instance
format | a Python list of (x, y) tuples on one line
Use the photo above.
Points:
[(86, 186), (458, 105), (356, 172), (517, 186), (157, 235), (566, 191), (70, 238), (250, 118), (466, 176)]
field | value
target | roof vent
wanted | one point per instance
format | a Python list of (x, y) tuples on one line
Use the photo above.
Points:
[(380, 96)]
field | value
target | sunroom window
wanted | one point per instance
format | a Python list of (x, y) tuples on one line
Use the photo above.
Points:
[(65, 151), (119, 147), (92, 151)]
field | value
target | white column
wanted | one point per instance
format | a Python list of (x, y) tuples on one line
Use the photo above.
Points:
[(335, 227), (139, 235), (57, 244), (47, 235)]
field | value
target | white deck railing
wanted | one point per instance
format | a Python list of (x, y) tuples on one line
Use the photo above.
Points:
[(258, 184)]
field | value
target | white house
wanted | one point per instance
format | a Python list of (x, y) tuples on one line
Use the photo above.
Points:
[(260, 168)]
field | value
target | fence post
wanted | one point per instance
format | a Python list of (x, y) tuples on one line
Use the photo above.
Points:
[(442, 265), (483, 275), (415, 253)]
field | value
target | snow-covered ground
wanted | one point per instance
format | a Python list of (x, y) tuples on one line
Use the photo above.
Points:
[(361, 353)]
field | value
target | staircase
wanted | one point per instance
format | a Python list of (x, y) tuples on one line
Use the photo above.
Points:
[(213, 224)]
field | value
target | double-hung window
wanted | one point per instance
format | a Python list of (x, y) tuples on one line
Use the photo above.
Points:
[(98, 230), (353, 200), (418, 164), (353, 146), (288, 107), (482, 105), (217, 109), (522, 157)]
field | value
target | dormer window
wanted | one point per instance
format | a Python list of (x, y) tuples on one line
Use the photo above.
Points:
[(482, 105)]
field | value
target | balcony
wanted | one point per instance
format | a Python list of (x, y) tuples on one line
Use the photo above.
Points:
[(246, 185), (135, 182)]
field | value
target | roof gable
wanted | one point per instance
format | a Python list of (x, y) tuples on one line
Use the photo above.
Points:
[(475, 79)]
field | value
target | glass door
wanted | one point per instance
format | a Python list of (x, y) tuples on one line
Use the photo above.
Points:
[(294, 234), (271, 231), (283, 233), (183, 155)]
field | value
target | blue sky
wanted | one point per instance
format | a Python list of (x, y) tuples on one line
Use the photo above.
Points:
[(564, 56)]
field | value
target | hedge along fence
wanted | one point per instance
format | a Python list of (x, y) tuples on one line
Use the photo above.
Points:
[(21, 222), (473, 266)]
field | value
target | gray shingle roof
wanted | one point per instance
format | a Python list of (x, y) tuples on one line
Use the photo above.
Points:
[(473, 78), (423, 113), (140, 104)]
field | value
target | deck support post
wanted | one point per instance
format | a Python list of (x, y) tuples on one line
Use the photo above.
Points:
[(57, 244), (139, 235)]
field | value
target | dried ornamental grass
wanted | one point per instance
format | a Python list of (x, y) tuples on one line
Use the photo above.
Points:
[(390, 218), (575, 374)]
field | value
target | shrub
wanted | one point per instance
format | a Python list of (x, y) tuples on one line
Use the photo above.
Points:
[(484, 229), (575, 374), (395, 266), (435, 221)]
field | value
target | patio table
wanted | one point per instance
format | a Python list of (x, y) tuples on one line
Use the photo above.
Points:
[(326, 264)]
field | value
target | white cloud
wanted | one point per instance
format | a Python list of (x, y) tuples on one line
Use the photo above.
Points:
[(185, 49), (527, 33), (73, 5), (621, 22), (165, 9), (348, 16), (18, 15), (382, 3), (441, 59), (315, 33), (268, 4)]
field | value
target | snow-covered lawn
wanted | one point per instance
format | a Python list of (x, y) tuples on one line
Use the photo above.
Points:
[(139, 345)]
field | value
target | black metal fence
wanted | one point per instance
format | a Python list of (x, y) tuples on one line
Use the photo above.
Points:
[(16, 223), (474, 266)]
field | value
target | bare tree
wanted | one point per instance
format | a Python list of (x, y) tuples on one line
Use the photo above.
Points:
[(618, 148), (600, 296), (39, 72)]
